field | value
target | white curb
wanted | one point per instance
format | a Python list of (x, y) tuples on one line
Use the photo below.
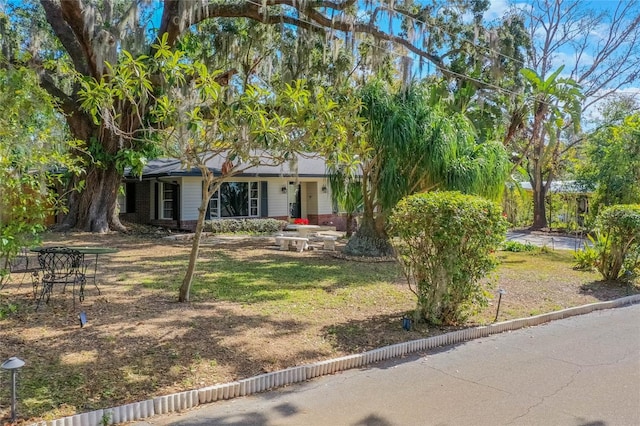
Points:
[(189, 399)]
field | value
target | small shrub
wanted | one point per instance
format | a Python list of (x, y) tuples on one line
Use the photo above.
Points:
[(6, 309), (620, 228), (245, 226), (587, 258), (517, 246), (444, 242)]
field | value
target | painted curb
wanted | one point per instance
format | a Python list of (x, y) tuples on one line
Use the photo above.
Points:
[(189, 399)]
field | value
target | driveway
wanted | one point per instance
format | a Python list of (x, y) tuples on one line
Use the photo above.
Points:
[(583, 370), (544, 239)]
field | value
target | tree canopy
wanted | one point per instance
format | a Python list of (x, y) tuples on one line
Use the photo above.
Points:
[(34, 155), (68, 42)]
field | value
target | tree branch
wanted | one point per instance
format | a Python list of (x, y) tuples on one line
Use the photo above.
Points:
[(78, 121), (180, 14), (53, 12)]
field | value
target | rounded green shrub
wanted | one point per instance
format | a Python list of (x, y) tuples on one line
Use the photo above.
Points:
[(443, 241), (620, 252)]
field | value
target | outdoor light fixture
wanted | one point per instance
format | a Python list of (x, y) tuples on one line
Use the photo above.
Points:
[(406, 323), (500, 292), (284, 189), (12, 364), (324, 189)]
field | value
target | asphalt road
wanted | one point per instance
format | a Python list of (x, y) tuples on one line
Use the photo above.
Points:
[(583, 370)]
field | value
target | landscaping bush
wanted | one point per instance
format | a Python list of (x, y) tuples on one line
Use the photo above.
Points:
[(620, 226), (244, 226), (443, 241), (587, 258)]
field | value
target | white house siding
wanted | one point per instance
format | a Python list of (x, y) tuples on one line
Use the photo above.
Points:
[(276, 199), (325, 205), (190, 197)]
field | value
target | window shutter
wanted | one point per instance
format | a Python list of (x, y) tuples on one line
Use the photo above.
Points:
[(176, 202), (156, 190), (264, 200)]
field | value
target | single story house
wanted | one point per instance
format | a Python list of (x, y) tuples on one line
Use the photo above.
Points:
[(169, 195)]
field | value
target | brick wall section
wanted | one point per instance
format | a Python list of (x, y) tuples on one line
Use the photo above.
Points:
[(143, 204), (337, 220)]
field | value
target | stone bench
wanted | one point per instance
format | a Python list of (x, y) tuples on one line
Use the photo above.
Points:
[(301, 243), (328, 241)]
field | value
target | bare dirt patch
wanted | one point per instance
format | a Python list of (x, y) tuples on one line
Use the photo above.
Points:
[(254, 309)]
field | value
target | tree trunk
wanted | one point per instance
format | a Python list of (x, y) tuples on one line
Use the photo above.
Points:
[(94, 208), (370, 240), (539, 208), (349, 225), (185, 288)]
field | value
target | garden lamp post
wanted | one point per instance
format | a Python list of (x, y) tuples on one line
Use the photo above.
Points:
[(501, 292), (13, 364)]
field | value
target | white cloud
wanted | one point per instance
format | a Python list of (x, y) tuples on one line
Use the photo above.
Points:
[(497, 9)]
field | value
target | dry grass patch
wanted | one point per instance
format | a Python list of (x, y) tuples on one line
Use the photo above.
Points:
[(254, 309)]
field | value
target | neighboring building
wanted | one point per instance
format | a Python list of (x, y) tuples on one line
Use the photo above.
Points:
[(169, 195), (574, 198)]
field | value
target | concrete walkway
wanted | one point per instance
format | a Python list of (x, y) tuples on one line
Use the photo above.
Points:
[(583, 370)]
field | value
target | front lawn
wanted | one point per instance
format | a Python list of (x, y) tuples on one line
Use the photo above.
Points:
[(254, 309)]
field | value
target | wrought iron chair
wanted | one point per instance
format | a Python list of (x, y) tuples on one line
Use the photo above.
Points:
[(22, 264), (59, 266)]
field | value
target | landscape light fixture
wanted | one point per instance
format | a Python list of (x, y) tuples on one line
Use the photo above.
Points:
[(324, 189), (13, 364), (500, 292), (406, 323), (284, 189)]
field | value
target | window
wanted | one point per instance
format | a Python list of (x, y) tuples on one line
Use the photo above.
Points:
[(166, 201), (235, 199)]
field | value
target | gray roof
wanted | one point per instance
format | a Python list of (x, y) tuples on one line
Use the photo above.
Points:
[(302, 167)]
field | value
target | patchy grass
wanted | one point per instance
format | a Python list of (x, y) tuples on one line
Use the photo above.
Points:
[(254, 309)]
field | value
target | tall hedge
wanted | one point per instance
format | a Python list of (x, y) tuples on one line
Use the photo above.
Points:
[(443, 241)]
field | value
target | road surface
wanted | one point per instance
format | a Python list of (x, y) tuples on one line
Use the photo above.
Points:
[(583, 370)]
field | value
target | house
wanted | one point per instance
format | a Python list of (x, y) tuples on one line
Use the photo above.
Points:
[(168, 194)]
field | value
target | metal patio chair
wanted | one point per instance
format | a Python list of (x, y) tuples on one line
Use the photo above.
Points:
[(59, 266)]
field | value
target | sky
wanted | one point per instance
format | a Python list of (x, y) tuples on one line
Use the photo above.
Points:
[(567, 56)]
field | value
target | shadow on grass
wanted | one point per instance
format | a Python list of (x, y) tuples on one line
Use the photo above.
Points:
[(98, 366), (355, 336), (609, 290), (222, 276)]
